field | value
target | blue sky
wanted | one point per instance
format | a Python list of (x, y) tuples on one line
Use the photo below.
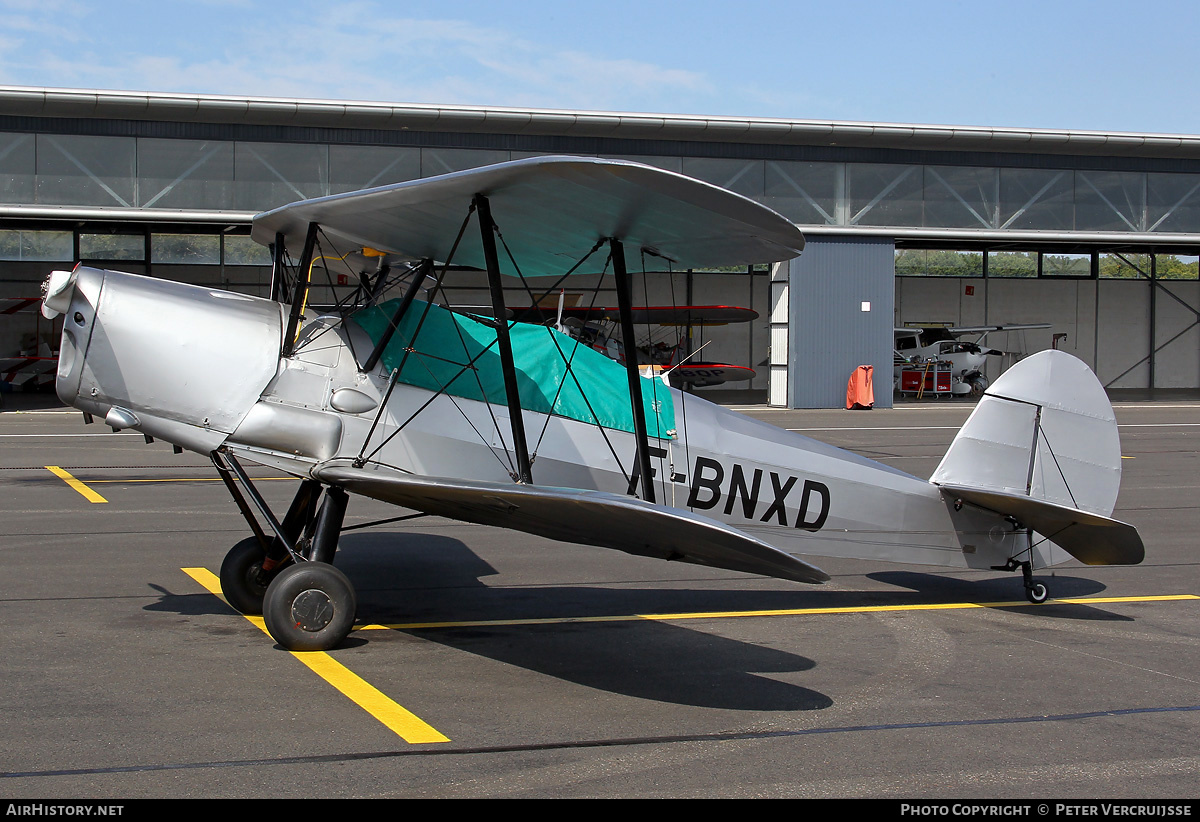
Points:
[(1119, 66)]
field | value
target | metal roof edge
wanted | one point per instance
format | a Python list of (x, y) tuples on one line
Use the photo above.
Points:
[(171, 106)]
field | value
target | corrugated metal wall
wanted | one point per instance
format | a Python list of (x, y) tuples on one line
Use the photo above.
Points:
[(841, 298)]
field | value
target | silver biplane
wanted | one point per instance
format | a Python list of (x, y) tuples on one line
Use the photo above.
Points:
[(493, 417)]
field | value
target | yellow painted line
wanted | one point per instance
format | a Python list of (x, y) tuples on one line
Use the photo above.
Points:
[(864, 609), (88, 493), (398, 719)]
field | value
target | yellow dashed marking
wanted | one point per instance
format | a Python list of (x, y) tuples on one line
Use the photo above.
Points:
[(65, 476), (398, 719)]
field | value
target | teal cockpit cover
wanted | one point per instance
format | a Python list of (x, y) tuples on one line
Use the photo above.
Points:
[(458, 353)]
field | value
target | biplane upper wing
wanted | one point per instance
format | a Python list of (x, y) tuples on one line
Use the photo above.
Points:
[(573, 515), (550, 212)]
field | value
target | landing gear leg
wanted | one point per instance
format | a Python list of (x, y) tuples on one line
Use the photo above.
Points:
[(310, 606), (251, 564), (1035, 592)]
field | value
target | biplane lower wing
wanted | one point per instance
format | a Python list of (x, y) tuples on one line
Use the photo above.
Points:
[(579, 516)]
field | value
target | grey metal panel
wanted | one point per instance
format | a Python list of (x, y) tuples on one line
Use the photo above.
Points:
[(831, 334)]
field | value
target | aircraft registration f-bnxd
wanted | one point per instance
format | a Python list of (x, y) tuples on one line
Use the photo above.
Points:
[(488, 417)]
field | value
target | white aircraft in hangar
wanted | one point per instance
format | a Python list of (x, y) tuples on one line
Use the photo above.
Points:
[(927, 354), (514, 424)]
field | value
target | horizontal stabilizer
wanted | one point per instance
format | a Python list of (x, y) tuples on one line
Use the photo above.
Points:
[(1090, 538), (572, 515)]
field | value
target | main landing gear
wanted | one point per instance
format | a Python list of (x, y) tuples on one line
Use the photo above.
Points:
[(306, 603)]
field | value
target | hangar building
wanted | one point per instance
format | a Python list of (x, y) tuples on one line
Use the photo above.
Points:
[(1095, 233)]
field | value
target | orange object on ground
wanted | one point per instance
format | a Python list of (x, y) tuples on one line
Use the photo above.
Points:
[(860, 392)]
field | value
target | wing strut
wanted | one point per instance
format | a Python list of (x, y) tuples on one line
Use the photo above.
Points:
[(629, 342), (300, 292), (504, 345), (423, 271), (278, 253)]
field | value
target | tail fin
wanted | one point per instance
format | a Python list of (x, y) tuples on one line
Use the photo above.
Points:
[(1042, 447)]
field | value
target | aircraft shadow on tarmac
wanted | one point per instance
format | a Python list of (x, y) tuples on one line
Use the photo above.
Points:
[(1004, 588), (411, 578), (415, 578), (406, 578)]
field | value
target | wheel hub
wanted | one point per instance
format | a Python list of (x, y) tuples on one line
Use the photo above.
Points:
[(312, 610)]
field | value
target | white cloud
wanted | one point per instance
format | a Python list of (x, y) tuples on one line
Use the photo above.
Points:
[(350, 50)]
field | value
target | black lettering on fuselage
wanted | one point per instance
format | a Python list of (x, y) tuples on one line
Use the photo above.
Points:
[(811, 486), (777, 507), (712, 484), (709, 487), (737, 487)]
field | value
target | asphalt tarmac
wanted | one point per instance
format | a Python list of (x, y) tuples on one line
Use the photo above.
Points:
[(495, 664)]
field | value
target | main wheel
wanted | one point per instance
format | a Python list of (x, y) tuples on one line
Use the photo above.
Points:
[(310, 606), (242, 579), (1037, 593)]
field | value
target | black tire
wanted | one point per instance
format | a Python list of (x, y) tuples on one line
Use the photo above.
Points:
[(1037, 593), (310, 606), (242, 580), (978, 386)]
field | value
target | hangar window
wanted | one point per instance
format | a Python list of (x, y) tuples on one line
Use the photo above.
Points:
[(185, 249), (17, 169), (961, 197), (352, 168), (1124, 266), (1012, 264), (241, 250), (1110, 201), (435, 161), (1066, 265), (1173, 202), (805, 193), (1176, 267), (884, 194), (184, 173), (112, 246), (742, 176), (274, 174), (37, 246), (1037, 199), (75, 169), (937, 262)]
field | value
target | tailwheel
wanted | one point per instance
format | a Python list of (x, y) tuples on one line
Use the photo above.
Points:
[(243, 580), (309, 606), (1035, 592)]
